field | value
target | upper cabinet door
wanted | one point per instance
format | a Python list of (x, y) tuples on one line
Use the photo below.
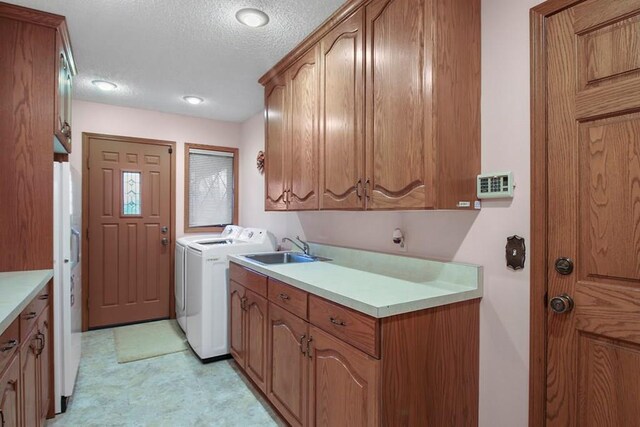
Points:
[(276, 167), (400, 161), (63, 96), (303, 85), (342, 116)]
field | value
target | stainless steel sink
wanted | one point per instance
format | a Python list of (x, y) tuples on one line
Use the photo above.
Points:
[(284, 258)]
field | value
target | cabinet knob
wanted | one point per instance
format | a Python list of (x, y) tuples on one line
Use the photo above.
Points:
[(9, 345), (337, 321), (283, 297)]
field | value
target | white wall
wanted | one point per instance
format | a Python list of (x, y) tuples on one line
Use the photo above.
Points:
[(108, 119), (475, 237)]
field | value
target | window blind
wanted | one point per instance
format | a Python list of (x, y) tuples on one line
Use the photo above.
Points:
[(210, 188)]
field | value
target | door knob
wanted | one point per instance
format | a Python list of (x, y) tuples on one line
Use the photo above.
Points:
[(561, 304), (165, 241)]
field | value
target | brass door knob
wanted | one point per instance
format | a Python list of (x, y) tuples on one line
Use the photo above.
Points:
[(561, 304)]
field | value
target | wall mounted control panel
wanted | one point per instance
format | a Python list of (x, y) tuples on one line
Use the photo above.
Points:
[(495, 185)]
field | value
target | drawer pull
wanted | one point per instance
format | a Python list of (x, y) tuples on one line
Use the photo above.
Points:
[(309, 347), (43, 296), (284, 297), (9, 345), (302, 350), (30, 315), (337, 321)]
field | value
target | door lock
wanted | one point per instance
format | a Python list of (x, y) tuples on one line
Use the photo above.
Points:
[(561, 304), (564, 266)]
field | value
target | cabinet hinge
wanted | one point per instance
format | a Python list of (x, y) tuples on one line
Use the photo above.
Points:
[(87, 234), (170, 150), (88, 164)]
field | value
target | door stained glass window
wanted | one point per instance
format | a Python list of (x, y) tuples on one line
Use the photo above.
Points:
[(131, 203)]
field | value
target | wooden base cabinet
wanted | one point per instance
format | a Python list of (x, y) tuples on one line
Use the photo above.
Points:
[(248, 332), (327, 365), (288, 365), (10, 389), (343, 385)]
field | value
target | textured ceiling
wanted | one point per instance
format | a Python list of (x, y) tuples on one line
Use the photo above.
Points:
[(157, 51)]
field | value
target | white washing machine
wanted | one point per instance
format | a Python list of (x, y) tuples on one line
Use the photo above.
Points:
[(181, 280), (208, 289)]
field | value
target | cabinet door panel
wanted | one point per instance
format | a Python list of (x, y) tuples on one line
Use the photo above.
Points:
[(10, 394), (30, 378), (256, 338), (236, 322), (399, 105), (342, 116), (303, 82), (343, 383), (276, 168), (287, 384), (44, 358)]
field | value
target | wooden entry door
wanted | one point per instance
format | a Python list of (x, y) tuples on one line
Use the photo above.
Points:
[(130, 262), (593, 208)]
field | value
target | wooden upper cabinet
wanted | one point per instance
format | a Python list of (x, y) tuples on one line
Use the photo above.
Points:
[(342, 115), (303, 109), (399, 108), (276, 167), (65, 72), (399, 141)]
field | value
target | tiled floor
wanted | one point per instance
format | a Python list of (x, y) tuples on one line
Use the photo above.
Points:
[(174, 390)]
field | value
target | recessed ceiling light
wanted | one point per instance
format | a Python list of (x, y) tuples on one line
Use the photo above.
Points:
[(252, 17), (193, 100), (104, 85)]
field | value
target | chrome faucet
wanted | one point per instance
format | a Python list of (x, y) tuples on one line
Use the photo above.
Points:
[(304, 246)]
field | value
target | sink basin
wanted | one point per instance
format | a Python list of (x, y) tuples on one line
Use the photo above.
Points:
[(284, 258)]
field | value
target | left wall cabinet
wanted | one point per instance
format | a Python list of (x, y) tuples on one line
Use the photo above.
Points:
[(36, 69), (33, 93)]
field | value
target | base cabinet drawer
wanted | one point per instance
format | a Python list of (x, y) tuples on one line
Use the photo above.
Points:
[(357, 329), (9, 342)]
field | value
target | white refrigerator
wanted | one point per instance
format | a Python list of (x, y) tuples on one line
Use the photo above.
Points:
[(67, 217)]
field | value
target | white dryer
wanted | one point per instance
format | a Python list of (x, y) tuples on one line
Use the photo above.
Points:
[(181, 279), (208, 289)]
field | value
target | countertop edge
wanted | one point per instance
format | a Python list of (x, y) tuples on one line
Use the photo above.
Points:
[(13, 315), (377, 312)]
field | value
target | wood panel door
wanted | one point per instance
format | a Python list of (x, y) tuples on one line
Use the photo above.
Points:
[(10, 394), (303, 85), (256, 330), (593, 167), (277, 168), (342, 115), (129, 238), (400, 159), (343, 383), (288, 381), (237, 301)]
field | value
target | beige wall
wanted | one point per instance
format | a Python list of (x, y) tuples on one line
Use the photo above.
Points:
[(113, 120), (475, 237)]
